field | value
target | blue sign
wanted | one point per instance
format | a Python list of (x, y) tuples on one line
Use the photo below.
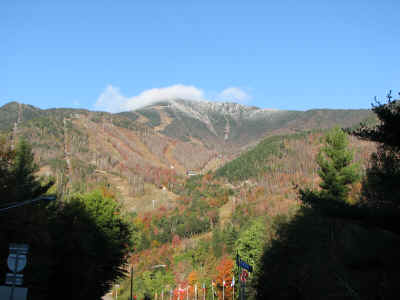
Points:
[(243, 264)]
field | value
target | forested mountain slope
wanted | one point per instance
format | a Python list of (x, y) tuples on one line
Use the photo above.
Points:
[(192, 225), (153, 144), (220, 213), (227, 126)]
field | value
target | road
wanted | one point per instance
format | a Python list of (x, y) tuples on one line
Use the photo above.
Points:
[(107, 297)]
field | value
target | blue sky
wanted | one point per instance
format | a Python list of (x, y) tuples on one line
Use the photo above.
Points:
[(116, 55)]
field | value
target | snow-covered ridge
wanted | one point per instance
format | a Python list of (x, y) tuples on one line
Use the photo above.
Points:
[(201, 109)]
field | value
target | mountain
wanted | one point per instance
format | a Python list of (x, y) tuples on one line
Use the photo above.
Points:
[(153, 144), (198, 239), (229, 126), (191, 225), (11, 113), (84, 148)]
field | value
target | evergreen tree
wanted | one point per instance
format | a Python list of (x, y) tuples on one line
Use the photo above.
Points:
[(250, 246), (336, 249), (251, 242), (381, 184), (380, 205), (7, 178), (336, 169), (387, 132), (27, 186)]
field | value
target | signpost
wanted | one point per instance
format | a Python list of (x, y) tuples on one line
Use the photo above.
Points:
[(243, 275), (242, 264), (131, 282), (116, 291), (16, 263)]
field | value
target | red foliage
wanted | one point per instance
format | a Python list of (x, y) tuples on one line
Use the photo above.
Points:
[(176, 240)]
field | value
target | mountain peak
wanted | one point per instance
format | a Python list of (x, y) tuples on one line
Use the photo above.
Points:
[(200, 108)]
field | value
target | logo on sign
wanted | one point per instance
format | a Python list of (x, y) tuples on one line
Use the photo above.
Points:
[(244, 275)]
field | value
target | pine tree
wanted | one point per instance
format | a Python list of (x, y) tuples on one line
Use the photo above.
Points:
[(387, 132), (336, 169), (7, 178), (27, 186), (381, 184), (380, 207)]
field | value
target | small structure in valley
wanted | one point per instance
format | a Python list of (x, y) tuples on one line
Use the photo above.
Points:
[(191, 173)]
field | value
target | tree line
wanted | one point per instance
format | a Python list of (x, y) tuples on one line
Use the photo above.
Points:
[(78, 246), (335, 247)]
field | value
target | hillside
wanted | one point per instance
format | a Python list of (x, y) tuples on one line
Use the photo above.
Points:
[(199, 237), (251, 160), (229, 126), (153, 146)]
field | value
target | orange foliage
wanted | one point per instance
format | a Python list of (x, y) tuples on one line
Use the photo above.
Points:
[(355, 193), (225, 272), (107, 193), (192, 277)]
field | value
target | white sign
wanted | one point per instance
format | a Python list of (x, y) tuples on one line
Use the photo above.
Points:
[(16, 262)]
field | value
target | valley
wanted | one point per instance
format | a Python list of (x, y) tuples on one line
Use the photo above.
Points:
[(199, 150), (249, 164)]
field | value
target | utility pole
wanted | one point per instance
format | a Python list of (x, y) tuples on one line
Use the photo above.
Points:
[(116, 291), (244, 290), (223, 289), (131, 282)]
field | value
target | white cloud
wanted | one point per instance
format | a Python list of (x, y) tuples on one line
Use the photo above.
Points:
[(177, 91), (234, 94), (112, 100), (76, 103)]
